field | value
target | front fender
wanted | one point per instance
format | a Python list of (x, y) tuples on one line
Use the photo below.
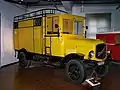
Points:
[(73, 56)]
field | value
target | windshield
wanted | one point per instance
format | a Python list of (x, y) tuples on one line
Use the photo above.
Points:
[(77, 27)]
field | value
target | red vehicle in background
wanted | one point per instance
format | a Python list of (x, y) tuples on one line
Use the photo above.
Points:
[(112, 40)]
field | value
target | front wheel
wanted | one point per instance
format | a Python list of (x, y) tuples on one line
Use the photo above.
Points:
[(101, 70), (75, 71)]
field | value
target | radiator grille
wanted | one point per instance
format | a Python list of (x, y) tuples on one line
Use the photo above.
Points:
[(100, 51)]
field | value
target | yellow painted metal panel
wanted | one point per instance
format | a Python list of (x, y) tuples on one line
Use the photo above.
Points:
[(48, 51), (26, 39), (78, 44), (56, 48), (43, 25), (25, 23), (48, 42), (67, 16), (16, 38), (79, 18), (38, 41)]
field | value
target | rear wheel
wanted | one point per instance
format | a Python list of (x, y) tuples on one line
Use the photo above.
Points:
[(23, 62), (75, 71), (62, 65)]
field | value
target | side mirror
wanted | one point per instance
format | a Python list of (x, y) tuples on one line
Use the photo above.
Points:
[(86, 31), (86, 27), (56, 26)]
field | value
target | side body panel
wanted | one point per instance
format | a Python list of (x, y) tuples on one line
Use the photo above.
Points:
[(29, 37), (38, 40), (25, 23), (26, 39), (56, 46)]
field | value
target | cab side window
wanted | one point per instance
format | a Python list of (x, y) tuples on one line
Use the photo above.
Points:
[(67, 26)]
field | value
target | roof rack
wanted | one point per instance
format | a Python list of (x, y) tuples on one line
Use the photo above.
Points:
[(37, 13)]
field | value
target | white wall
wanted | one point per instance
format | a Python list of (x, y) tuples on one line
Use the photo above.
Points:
[(8, 11)]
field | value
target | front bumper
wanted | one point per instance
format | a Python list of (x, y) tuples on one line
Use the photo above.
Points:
[(100, 63)]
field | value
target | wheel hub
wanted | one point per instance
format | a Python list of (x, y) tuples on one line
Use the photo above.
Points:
[(74, 72)]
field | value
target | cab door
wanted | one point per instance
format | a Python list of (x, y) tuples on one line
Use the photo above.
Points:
[(52, 34)]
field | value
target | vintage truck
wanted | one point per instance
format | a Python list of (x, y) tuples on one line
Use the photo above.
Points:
[(51, 35)]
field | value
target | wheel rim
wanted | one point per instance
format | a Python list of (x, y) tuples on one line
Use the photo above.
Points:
[(74, 72), (101, 70)]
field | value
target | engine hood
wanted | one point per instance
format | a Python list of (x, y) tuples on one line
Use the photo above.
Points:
[(82, 39), (79, 44)]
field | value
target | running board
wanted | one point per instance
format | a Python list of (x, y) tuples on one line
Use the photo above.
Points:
[(93, 82)]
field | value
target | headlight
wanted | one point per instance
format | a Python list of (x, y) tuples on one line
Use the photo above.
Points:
[(108, 51), (91, 54)]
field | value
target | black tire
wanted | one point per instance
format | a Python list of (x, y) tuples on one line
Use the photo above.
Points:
[(62, 64), (96, 87), (101, 70), (76, 67), (23, 62)]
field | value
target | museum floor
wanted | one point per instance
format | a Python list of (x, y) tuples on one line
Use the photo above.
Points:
[(49, 78)]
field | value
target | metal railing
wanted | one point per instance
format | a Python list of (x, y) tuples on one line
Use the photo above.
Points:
[(37, 13)]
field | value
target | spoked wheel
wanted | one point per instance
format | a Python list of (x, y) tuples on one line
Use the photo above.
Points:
[(101, 70), (75, 71), (23, 62)]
